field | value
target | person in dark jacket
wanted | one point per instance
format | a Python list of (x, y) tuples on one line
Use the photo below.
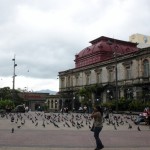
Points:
[(98, 125)]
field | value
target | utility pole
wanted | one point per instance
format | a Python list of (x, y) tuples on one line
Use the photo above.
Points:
[(116, 74), (14, 75), (116, 80)]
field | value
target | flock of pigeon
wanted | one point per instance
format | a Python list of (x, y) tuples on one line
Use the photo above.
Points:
[(75, 121)]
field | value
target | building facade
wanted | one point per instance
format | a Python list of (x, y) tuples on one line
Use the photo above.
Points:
[(35, 101), (143, 41), (41, 101), (53, 103), (95, 70)]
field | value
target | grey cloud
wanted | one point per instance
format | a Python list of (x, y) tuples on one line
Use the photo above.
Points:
[(45, 60), (45, 49)]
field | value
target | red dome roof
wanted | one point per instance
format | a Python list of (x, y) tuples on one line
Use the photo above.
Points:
[(101, 46), (101, 50)]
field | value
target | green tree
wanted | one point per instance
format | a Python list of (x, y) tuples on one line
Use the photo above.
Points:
[(85, 93), (136, 105), (5, 104), (8, 94), (5, 93)]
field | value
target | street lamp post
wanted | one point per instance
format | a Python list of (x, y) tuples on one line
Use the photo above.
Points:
[(14, 75), (73, 104), (116, 82), (116, 75), (48, 104)]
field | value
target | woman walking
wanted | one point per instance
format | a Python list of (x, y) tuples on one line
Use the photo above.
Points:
[(98, 125)]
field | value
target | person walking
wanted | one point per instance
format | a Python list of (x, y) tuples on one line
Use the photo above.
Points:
[(98, 125)]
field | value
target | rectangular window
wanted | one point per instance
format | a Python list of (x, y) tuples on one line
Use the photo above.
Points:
[(146, 68), (87, 79), (146, 74), (98, 78), (52, 104), (62, 83), (111, 76), (77, 81), (128, 73), (68, 81), (55, 104)]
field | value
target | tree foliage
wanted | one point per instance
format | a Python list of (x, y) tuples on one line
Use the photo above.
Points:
[(127, 105), (9, 98), (5, 93), (6, 104)]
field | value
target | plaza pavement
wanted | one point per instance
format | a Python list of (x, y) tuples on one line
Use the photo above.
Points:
[(49, 137)]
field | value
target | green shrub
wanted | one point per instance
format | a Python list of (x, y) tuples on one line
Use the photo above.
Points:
[(136, 105), (147, 104), (127, 105), (110, 105), (6, 103), (123, 104)]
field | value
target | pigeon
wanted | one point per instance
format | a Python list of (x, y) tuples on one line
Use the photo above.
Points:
[(115, 127), (22, 123), (56, 125), (90, 127), (18, 126), (36, 124), (12, 130), (43, 124), (138, 128), (130, 127), (12, 119)]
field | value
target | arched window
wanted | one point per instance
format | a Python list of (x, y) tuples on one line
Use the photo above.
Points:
[(145, 68)]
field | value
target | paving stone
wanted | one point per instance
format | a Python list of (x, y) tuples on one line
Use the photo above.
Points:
[(50, 137)]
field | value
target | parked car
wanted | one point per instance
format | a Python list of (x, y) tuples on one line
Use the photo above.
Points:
[(19, 108)]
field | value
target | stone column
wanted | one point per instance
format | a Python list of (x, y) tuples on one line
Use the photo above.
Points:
[(93, 99), (104, 96), (121, 92)]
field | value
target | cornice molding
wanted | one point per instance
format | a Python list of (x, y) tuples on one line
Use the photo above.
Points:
[(127, 63), (98, 70), (110, 67), (87, 72)]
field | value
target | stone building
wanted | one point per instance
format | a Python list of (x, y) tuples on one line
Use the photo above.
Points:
[(53, 103), (40, 101), (35, 101), (142, 40), (95, 70)]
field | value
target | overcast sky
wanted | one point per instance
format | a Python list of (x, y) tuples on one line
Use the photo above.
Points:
[(45, 35)]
